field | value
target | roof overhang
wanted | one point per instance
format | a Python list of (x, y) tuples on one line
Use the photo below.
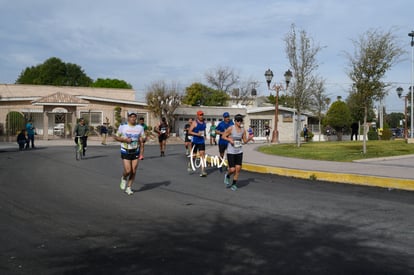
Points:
[(130, 102)]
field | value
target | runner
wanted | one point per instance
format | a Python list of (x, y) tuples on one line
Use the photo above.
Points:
[(130, 135), (187, 137), (235, 135), (212, 133), (220, 129), (142, 144), (198, 131), (163, 131)]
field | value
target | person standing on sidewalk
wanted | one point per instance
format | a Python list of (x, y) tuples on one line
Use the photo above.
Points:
[(104, 133), (198, 131), (130, 135), (163, 131), (142, 144), (220, 129), (30, 130), (267, 133), (235, 135)]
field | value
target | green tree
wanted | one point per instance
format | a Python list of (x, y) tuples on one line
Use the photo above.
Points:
[(375, 53), (118, 117), (394, 119), (111, 83), (200, 94), (55, 72), (338, 117), (15, 122), (357, 111)]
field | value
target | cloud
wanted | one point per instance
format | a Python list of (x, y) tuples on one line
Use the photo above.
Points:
[(146, 41)]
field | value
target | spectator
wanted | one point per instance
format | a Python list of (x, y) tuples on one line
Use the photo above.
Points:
[(22, 139), (30, 129), (354, 130), (104, 133), (305, 132)]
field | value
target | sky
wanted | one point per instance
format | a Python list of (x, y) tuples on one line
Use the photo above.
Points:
[(178, 41)]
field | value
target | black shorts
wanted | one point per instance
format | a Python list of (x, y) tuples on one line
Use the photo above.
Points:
[(162, 137), (199, 147), (234, 159), (222, 148), (129, 156), (187, 139)]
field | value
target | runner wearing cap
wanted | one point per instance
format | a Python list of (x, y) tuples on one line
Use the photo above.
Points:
[(198, 131), (235, 135), (220, 129)]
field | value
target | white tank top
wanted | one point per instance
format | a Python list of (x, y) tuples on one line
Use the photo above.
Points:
[(236, 147)]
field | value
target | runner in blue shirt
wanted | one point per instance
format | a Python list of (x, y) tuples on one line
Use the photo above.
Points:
[(198, 131), (220, 129)]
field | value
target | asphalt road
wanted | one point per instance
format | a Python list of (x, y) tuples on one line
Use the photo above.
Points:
[(62, 216)]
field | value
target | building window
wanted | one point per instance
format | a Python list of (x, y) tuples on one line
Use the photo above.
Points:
[(59, 118), (93, 118), (258, 126)]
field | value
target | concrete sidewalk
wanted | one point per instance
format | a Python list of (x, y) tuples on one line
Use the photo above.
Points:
[(393, 172)]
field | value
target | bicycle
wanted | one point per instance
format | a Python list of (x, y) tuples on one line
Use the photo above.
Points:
[(79, 150)]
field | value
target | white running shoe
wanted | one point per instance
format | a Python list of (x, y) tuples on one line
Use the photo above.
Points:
[(129, 191), (123, 183), (226, 181)]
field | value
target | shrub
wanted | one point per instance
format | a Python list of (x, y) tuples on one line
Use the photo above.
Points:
[(310, 135), (372, 135), (386, 134), (15, 122)]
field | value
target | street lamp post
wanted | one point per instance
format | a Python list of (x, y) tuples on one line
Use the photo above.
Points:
[(411, 34), (276, 87), (399, 93)]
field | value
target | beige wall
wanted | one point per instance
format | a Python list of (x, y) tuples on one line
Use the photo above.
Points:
[(13, 91), (20, 97)]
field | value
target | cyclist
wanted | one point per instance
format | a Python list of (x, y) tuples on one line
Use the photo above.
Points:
[(82, 131)]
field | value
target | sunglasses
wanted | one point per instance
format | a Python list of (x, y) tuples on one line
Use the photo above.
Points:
[(239, 120)]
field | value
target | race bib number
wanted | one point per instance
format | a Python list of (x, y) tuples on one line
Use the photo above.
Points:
[(237, 144), (132, 145)]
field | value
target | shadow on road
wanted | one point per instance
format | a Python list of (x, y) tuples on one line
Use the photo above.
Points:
[(261, 246)]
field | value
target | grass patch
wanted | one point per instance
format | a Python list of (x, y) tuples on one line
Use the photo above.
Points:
[(345, 151)]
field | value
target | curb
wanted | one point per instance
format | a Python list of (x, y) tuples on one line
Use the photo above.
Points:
[(366, 180)]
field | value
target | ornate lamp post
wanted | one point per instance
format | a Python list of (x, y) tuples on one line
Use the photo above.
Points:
[(411, 34), (399, 93), (277, 87)]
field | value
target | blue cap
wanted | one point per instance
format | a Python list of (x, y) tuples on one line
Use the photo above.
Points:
[(226, 114)]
